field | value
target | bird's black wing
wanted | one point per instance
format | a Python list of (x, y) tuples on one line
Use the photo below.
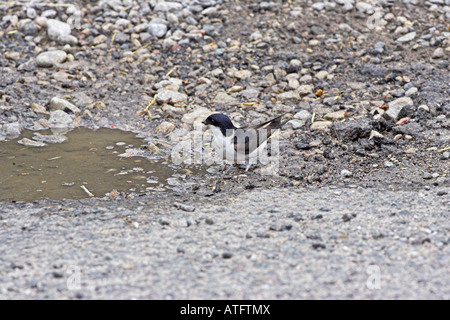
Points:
[(273, 123), (249, 138)]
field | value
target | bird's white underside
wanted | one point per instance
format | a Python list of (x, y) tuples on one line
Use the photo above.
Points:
[(224, 147)]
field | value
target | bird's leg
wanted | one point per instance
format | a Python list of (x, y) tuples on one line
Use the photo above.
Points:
[(224, 167), (248, 167)]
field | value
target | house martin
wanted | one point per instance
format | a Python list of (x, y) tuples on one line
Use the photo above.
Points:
[(240, 145)]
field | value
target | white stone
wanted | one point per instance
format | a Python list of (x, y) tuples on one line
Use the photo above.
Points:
[(243, 74), (200, 113), (60, 119), (64, 105), (224, 98), (396, 106), (165, 127), (12, 129), (335, 116), (304, 90), (345, 173), (322, 74), (49, 59), (289, 95), (174, 96), (60, 32), (167, 6), (321, 125), (407, 37)]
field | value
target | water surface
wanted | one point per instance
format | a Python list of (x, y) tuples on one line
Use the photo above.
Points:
[(87, 158)]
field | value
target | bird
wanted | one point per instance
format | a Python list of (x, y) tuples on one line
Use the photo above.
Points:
[(240, 145)]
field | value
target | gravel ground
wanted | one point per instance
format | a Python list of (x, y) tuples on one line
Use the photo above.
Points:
[(265, 244), (364, 160)]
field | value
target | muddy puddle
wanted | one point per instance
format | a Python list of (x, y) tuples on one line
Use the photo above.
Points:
[(87, 163)]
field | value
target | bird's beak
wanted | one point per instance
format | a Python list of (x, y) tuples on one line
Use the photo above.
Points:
[(205, 127)]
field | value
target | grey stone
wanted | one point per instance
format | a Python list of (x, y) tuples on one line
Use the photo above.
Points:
[(165, 127), (240, 222), (307, 78), (322, 74), (427, 176), (172, 18), (61, 104), (145, 37), (243, 74), (398, 93), (411, 92), (141, 27), (191, 20), (296, 124), (50, 13), (122, 37), (363, 6), (395, 108), (200, 113), (321, 125), (164, 221), (31, 13), (224, 98), (256, 36), (289, 95), (407, 37), (389, 164), (165, 6), (12, 129), (99, 39), (375, 134), (30, 29), (37, 108), (438, 53), (211, 11), (28, 66), (174, 96), (157, 29), (346, 173), (304, 90), (408, 86), (303, 115), (318, 6), (81, 99), (265, 5), (60, 32), (49, 138), (335, 116), (61, 76), (59, 119), (250, 93), (353, 129), (184, 207), (347, 7), (50, 58), (379, 47), (293, 81), (30, 143)]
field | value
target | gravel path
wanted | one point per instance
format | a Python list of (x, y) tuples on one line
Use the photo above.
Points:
[(265, 244)]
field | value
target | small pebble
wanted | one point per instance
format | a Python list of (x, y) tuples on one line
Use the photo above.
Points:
[(227, 255)]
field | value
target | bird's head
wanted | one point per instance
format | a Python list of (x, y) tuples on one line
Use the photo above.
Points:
[(220, 121)]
